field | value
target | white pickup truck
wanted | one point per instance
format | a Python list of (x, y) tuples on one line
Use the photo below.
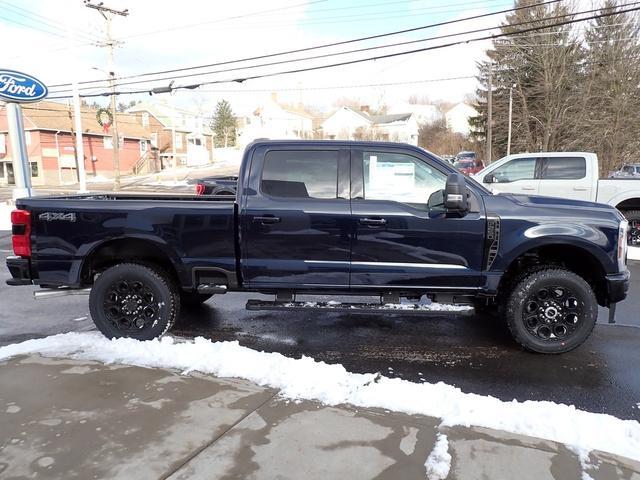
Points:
[(567, 175)]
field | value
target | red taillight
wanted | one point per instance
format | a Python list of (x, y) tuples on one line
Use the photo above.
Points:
[(200, 189), (21, 230)]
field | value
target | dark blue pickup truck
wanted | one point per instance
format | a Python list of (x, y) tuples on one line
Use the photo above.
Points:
[(382, 220)]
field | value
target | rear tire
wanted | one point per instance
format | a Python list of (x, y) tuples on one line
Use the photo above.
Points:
[(551, 310), (135, 301)]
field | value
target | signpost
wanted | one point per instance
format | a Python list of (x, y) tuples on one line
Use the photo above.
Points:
[(17, 88)]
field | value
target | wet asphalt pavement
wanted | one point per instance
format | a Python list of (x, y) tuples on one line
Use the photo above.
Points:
[(473, 353)]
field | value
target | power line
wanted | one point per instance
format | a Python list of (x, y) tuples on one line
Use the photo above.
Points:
[(316, 47), (49, 22), (379, 57), (360, 50)]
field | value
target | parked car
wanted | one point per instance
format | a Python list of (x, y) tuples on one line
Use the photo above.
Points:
[(572, 175), (217, 185), (467, 163), (627, 171), (377, 219)]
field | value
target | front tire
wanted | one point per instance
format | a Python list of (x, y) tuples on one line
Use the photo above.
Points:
[(551, 310), (633, 235), (135, 301)]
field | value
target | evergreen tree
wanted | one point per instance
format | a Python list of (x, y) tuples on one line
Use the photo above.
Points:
[(544, 70), (224, 124)]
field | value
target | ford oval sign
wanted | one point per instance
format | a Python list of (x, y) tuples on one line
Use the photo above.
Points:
[(20, 87)]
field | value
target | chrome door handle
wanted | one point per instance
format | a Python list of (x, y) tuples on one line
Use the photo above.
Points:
[(267, 219), (373, 222), (528, 188), (580, 189)]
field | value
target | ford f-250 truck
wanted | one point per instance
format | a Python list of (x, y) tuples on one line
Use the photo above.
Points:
[(566, 175), (326, 217)]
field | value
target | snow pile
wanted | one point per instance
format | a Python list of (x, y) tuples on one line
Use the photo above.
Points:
[(308, 379), (633, 253), (5, 216), (438, 463)]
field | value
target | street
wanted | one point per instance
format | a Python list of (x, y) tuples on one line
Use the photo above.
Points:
[(473, 353)]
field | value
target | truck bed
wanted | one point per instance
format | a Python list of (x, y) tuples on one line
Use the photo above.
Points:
[(70, 230)]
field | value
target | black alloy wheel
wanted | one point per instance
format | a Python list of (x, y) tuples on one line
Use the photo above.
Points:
[(134, 300), (551, 310)]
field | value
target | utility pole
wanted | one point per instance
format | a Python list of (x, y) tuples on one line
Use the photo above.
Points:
[(108, 13), (82, 177), (510, 115), (489, 115)]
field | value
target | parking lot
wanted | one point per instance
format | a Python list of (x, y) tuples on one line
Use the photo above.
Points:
[(473, 353)]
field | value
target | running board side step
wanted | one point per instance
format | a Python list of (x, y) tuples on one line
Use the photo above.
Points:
[(432, 309)]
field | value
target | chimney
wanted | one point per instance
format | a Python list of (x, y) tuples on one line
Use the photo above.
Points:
[(364, 109)]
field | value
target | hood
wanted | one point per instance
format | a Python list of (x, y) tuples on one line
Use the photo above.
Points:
[(543, 201)]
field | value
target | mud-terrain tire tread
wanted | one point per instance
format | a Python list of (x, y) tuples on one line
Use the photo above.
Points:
[(158, 274), (518, 294)]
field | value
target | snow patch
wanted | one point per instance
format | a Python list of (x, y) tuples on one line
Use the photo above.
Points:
[(5, 216), (438, 463), (633, 253), (307, 379)]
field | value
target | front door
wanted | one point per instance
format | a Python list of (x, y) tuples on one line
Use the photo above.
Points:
[(519, 175), (399, 240), (295, 228)]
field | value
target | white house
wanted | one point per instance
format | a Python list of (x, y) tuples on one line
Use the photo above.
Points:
[(422, 113), (272, 120), (458, 118), (349, 124)]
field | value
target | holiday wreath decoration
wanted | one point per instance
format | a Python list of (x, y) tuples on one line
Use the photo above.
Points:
[(104, 118)]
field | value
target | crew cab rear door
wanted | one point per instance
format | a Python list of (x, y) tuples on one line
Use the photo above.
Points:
[(295, 218), (399, 241), (567, 177)]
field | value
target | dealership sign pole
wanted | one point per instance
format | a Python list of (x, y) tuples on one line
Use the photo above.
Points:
[(17, 88)]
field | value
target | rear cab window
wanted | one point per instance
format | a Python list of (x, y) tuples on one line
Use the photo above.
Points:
[(300, 174), (563, 168)]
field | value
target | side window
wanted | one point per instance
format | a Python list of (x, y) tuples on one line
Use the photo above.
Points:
[(564, 168), (400, 178), (514, 170), (300, 174)]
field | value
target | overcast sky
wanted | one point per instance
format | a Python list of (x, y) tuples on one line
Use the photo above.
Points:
[(55, 41)]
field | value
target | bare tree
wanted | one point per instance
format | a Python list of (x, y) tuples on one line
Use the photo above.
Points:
[(611, 92)]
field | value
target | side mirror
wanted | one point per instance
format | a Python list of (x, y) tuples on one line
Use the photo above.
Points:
[(455, 194), (489, 178)]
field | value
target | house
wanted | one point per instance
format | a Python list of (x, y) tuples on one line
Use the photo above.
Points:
[(349, 124), (176, 130), (423, 113), (273, 120), (458, 118), (50, 139)]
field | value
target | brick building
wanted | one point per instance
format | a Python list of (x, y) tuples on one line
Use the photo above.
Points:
[(50, 138)]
